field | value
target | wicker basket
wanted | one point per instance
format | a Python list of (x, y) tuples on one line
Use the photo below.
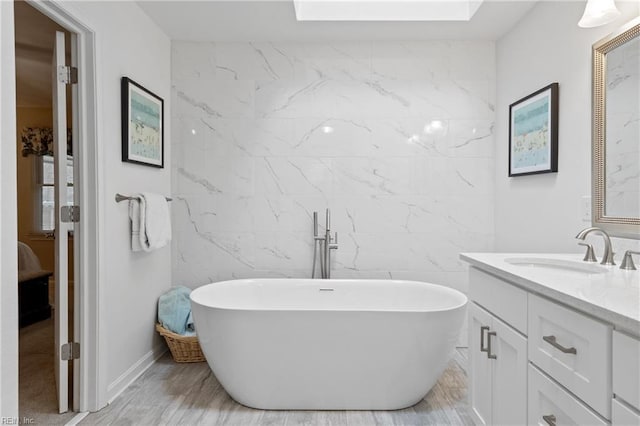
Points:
[(183, 348)]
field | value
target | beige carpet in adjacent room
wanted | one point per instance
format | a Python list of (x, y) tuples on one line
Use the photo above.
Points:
[(37, 385)]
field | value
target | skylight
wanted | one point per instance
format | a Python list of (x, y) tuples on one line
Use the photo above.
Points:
[(386, 10)]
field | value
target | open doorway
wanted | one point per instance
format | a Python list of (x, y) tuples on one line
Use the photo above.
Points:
[(35, 36)]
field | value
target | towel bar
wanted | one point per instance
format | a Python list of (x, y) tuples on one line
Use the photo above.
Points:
[(120, 197)]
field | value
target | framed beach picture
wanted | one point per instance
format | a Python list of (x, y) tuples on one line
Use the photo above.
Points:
[(142, 125), (533, 133)]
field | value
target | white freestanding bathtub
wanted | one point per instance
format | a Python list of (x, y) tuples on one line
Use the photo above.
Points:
[(305, 344)]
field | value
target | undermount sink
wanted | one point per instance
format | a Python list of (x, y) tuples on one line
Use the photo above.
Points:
[(557, 264)]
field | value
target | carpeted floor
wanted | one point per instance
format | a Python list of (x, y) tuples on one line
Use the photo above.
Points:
[(37, 386)]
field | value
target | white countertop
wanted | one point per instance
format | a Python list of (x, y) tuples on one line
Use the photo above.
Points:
[(612, 296)]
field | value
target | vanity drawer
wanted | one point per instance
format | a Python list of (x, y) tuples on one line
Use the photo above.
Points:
[(626, 368), (504, 300), (623, 416), (550, 404), (573, 349)]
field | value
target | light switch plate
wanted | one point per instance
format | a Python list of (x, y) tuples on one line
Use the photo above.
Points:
[(585, 208)]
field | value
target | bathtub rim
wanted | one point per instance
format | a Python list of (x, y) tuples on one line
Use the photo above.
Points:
[(464, 299)]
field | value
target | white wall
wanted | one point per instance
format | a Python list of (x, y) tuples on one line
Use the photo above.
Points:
[(541, 213), (8, 221), (252, 160), (129, 44)]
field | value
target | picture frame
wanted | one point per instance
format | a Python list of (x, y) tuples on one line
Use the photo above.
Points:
[(533, 133), (142, 125)]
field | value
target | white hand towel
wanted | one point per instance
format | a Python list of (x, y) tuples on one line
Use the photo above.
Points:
[(154, 214), (150, 222), (134, 214)]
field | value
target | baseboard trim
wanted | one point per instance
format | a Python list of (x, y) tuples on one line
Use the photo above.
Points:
[(136, 370), (77, 418)]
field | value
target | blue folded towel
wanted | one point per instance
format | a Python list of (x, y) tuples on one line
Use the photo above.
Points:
[(174, 311)]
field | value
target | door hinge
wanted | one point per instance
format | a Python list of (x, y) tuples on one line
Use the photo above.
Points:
[(70, 351), (67, 75), (70, 214)]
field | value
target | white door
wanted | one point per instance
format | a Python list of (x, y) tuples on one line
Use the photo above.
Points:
[(480, 322), (77, 235), (61, 319), (509, 378)]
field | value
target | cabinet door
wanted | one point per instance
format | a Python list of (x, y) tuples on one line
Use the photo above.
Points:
[(626, 368), (509, 375), (480, 366), (622, 415), (550, 403)]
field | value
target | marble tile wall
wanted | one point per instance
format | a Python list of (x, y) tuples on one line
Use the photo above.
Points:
[(395, 138)]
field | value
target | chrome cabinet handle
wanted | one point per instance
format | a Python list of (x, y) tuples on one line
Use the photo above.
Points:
[(550, 419), (552, 341), (489, 354), (482, 330)]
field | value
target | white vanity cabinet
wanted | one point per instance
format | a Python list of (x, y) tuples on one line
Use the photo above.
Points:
[(498, 360), (549, 403), (572, 348), (626, 380), (541, 360), (498, 353)]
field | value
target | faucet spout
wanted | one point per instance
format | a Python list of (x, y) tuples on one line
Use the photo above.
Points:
[(607, 257)]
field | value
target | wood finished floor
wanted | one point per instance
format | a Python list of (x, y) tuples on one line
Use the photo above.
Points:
[(189, 394)]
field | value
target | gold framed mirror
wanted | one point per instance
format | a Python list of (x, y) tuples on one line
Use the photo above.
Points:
[(616, 132)]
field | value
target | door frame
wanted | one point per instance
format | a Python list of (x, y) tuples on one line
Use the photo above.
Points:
[(89, 394), (8, 219)]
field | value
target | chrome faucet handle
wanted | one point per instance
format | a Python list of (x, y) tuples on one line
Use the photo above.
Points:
[(627, 261), (607, 256), (333, 245), (589, 256)]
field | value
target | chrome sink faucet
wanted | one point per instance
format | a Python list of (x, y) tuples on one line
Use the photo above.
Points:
[(607, 256)]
